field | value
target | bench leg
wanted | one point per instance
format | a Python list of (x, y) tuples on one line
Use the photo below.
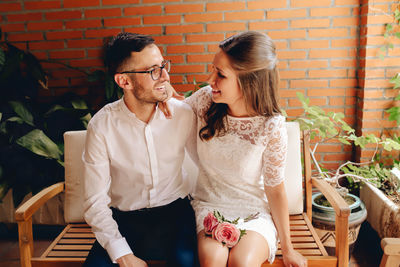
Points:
[(25, 242)]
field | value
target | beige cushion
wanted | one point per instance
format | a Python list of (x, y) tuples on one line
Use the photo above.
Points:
[(74, 144)]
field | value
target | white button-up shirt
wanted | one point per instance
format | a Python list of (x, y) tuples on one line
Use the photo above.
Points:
[(130, 165)]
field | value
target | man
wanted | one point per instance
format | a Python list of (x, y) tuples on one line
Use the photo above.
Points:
[(136, 195)]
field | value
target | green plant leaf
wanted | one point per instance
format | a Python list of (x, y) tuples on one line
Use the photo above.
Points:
[(2, 58), (37, 142), (396, 81), (96, 75), (22, 111)]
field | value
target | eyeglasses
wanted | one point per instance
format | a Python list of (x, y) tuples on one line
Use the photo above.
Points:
[(156, 72)]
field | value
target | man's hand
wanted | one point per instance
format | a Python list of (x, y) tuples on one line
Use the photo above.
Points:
[(131, 260), (164, 105)]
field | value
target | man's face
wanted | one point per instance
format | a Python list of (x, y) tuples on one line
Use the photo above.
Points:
[(145, 89)]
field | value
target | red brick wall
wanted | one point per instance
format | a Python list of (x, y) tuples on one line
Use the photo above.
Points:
[(317, 44)]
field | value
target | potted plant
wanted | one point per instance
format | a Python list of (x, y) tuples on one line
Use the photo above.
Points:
[(31, 143)]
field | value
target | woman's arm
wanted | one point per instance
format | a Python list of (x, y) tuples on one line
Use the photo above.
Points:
[(280, 213)]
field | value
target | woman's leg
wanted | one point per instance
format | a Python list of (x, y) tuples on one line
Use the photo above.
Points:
[(211, 252), (252, 250)]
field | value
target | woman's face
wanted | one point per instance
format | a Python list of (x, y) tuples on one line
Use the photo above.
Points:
[(224, 83)]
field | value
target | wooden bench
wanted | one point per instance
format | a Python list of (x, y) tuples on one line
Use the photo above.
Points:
[(72, 246)]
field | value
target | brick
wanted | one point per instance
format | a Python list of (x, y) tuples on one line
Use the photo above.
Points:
[(343, 63), (309, 84), (175, 58), (17, 37), (290, 93), (15, 27), (176, 79), (205, 17), (85, 23), (36, 5), (77, 3), (245, 15), (308, 64), (204, 38), (268, 25), (121, 22), (379, 19), (8, 7), (373, 73), (344, 43), (183, 87), (291, 74), (146, 30), (294, 112), (309, 44), (171, 39), (310, 23), (188, 69), (352, 21), (347, 2), (36, 26), (378, 83), (330, 148), (327, 73), (291, 54), (266, 4), (119, 2), (328, 53), (101, 33), (86, 63), (200, 58), (343, 83), (142, 10), (66, 54), (63, 15), (225, 6), (325, 92), (336, 101), (377, 104), (103, 13), (199, 78), (65, 73), (292, 34), (193, 28), (96, 53), (184, 8), (338, 32), (161, 19), (372, 94), (24, 17), (178, 49), (48, 45), (286, 14), (64, 35), (330, 12), (226, 27), (387, 62), (58, 83), (84, 43), (309, 3), (212, 48), (337, 157)]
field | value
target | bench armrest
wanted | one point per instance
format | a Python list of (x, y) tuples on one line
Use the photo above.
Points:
[(342, 211), (26, 210)]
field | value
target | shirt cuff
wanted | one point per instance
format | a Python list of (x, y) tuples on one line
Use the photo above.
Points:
[(118, 248)]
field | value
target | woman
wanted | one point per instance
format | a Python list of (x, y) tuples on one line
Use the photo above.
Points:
[(241, 145)]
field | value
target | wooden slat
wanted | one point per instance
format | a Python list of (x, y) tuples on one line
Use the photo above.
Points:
[(80, 230), (302, 245), (61, 235), (300, 233), (72, 254), (74, 225), (299, 227), (304, 252), (72, 247), (79, 235), (76, 241), (315, 236), (59, 262), (313, 261), (296, 217)]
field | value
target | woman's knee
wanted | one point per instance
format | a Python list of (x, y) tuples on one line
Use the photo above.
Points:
[(211, 253)]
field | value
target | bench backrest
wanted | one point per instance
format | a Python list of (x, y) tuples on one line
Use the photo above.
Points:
[(74, 142)]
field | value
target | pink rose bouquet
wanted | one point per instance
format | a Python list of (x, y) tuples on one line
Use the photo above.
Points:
[(223, 230)]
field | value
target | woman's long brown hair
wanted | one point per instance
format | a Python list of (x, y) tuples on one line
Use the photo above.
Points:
[(253, 56)]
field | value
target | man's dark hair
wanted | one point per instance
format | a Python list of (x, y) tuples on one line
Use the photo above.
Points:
[(120, 48)]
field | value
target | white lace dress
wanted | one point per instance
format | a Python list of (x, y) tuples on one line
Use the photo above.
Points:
[(234, 168)]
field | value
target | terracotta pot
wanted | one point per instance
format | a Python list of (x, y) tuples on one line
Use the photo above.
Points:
[(323, 220)]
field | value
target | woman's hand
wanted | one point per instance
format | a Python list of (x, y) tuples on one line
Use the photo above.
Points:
[(164, 105), (292, 258)]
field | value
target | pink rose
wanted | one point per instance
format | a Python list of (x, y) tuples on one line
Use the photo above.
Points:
[(210, 222), (227, 234)]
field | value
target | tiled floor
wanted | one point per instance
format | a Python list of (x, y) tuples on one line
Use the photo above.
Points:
[(366, 252)]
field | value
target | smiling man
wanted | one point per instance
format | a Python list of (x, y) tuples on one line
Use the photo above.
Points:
[(136, 195)]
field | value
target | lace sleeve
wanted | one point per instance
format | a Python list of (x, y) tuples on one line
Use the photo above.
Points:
[(274, 157), (200, 101)]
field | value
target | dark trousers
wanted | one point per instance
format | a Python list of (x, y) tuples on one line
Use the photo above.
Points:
[(161, 233)]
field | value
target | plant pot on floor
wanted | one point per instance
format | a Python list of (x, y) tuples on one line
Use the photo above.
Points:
[(323, 220)]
